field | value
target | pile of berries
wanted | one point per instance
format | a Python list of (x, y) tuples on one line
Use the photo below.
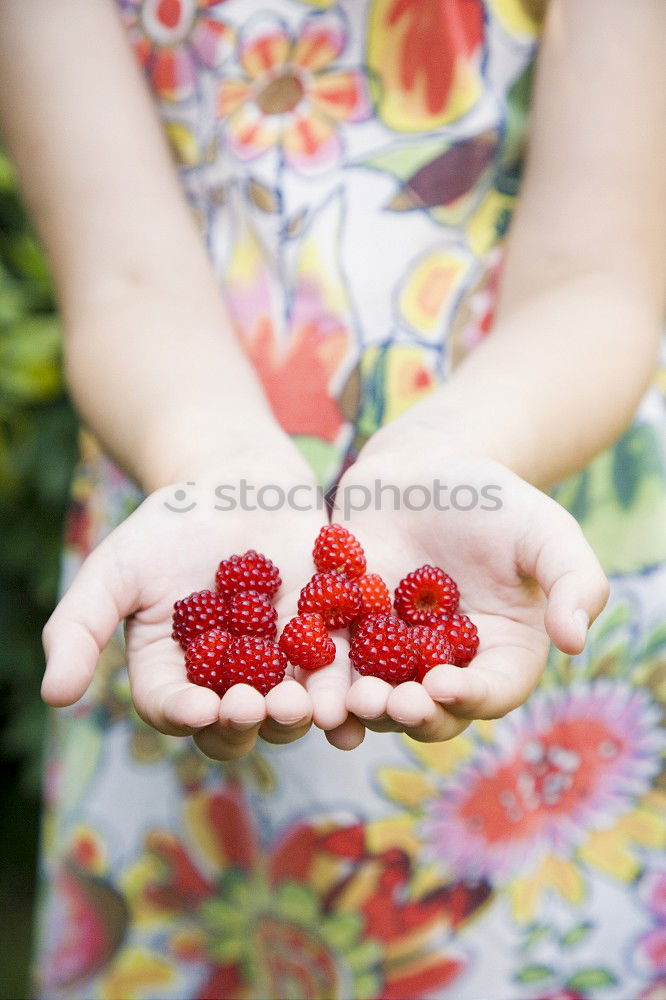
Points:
[(230, 634)]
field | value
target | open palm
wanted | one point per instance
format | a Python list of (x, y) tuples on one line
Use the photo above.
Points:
[(166, 549), (525, 574)]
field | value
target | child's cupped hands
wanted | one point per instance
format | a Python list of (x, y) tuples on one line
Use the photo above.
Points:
[(525, 572), (169, 547)]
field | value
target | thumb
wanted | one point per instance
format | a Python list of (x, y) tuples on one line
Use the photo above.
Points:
[(99, 598), (559, 557)]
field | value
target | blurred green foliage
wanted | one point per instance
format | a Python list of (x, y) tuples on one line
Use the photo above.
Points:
[(37, 453)]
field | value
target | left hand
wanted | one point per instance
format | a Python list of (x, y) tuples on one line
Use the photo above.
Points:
[(524, 569)]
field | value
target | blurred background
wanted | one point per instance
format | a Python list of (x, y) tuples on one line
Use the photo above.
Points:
[(37, 452)]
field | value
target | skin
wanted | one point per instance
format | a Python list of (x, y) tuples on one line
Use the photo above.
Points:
[(572, 352)]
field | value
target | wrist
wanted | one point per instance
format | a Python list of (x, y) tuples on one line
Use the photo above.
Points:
[(258, 452), (435, 429), (448, 429)]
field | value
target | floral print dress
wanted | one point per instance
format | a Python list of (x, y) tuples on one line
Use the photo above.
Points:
[(519, 861)]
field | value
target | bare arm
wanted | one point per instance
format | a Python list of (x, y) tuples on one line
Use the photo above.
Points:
[(558, 379), (153, 366), (145, 324), (584, 290)]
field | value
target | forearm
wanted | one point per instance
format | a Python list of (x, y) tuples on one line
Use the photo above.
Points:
[(557, 381), (168, 397), (584, 286), (153, 364)]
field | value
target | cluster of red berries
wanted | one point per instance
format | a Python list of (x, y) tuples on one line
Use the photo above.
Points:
[(229, 635)]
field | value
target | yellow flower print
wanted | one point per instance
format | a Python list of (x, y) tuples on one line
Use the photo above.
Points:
[(293, 96), (134, 973), (432, 289)]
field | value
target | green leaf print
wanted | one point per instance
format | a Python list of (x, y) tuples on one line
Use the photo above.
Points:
[(535, 934), (591, 979), (576, 935), (341, 930), (655, 644), (407, 158), (449, 177), (623, 508), (297, 902), (364, 955), (373, 396), (608, 650), (518, 104), (534, 974), (634, 456), (579, 505), (322, 457), (80, 758), (614, 619)]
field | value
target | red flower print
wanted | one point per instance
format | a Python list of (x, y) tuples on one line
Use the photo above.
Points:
[(297, 334), (319, 908), (565, 764), (451, 30), (426, 55), (172, 38), (88, 914), (650, 950), (296, 377)]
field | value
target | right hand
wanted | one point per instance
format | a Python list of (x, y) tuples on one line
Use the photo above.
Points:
[(159, 555)]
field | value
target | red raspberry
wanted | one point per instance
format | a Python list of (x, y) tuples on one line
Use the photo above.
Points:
[(424, 594), (382, 646), (204, 659), (434, 648), (250, 613), (196, 614), (335, 598), (461, 633), (251, 571), (375, 596), (337, 551), (306, 643), (254, 660)]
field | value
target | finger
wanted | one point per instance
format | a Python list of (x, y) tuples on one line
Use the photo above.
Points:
[(499, 680), (570, 574), (162, 695), (412, 708), (178, 708), (241, 708), (226, 744), (241, 713), (100, 596), (348, 736), (272, 732), (289, 703), (289, 713), (367, 699), (328, 687)]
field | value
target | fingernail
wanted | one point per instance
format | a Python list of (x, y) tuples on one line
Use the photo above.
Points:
[(291, 724), (239, 725), (582, 619), (439, 693)]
